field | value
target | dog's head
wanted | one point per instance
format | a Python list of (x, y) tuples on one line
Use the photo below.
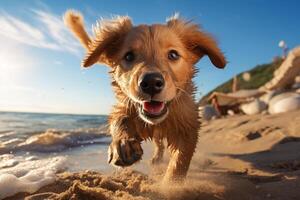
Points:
[(152, 64)]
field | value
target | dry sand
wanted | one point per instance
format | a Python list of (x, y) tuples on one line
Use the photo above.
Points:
[(239, 157)]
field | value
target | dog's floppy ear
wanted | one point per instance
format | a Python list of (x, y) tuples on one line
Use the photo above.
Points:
[(109, 36), (197, 42)]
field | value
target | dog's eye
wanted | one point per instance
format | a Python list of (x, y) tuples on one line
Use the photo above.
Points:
[(129, 56), (173, 55)]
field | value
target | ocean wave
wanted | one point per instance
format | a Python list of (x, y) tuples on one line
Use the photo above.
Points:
[(12, 121), (53, 140), (91, 120), (6, 133), (29, 123)]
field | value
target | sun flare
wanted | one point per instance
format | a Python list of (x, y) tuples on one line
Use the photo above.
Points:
[(14, 62)]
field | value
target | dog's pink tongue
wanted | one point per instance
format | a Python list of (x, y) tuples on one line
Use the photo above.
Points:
[(153, 107)]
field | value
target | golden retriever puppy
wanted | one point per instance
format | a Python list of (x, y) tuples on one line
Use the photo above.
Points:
[(152, 67)]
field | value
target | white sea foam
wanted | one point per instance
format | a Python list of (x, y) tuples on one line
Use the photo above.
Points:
[(27, 175)]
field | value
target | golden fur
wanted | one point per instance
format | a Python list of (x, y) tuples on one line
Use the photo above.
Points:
[(150, 44)]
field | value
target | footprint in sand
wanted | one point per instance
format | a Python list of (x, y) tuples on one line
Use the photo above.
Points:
[(261, 132)]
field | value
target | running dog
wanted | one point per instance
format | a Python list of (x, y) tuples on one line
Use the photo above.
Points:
[(152, 67)]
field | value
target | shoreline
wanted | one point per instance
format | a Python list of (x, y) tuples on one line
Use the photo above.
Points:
[(237, 157)]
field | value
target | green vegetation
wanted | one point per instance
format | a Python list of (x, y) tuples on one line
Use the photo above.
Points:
[(260, 75)]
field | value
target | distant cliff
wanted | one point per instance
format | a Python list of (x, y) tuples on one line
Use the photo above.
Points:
[(260, 75)]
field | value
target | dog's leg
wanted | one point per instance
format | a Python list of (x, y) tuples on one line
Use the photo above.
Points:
[(159, 149), (181, 155), (125, 148)]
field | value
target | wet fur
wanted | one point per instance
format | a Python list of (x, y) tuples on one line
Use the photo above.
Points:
[(180, 127)]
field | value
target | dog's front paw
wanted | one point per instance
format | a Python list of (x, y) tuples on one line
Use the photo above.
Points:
[(124, 152)]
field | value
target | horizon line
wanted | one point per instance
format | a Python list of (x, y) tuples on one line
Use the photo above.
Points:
[(54, 113)]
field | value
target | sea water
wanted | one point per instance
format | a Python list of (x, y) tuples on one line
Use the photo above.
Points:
[(36, 146)]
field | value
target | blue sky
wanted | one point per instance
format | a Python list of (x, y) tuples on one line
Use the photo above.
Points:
[(40, 60)]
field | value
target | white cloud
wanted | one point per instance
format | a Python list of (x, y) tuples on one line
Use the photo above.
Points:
[(22, 32), (50, 32), (57, 30)]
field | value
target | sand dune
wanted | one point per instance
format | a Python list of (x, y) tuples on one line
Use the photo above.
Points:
[(239, 157)]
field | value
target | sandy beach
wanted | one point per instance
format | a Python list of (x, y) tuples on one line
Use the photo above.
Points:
[(83, 83), (238, 157)]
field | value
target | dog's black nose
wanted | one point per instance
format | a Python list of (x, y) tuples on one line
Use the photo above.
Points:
[(152, 83)]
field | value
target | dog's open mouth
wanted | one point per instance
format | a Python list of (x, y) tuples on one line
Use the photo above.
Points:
[(154, 109)]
